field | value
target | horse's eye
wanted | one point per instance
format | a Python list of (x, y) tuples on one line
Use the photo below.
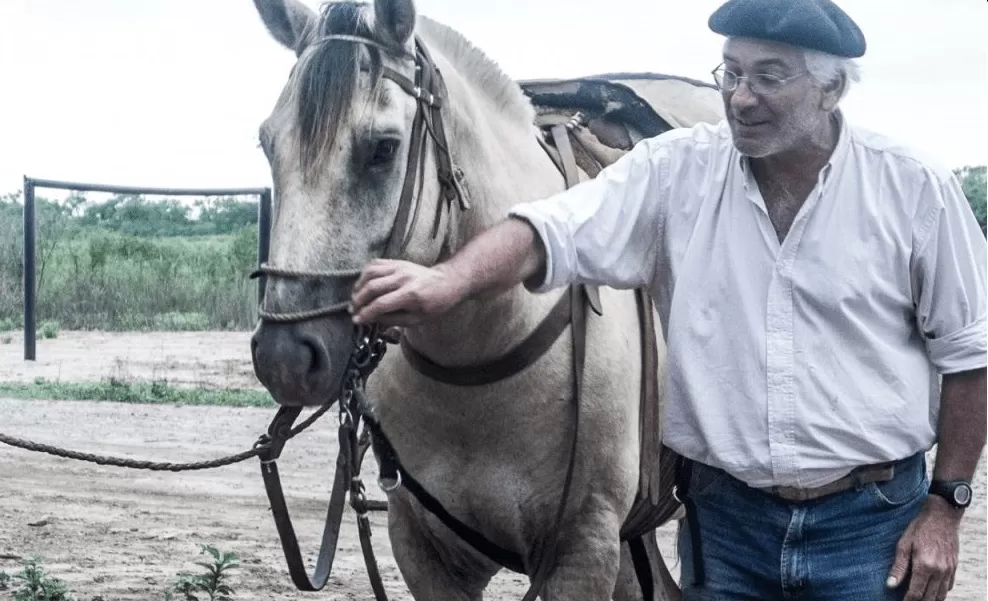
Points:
[(385, 151)]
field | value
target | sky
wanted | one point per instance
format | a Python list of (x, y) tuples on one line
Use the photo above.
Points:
[(171, 92)]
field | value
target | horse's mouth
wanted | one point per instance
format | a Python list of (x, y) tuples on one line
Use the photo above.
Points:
[(295, 365)]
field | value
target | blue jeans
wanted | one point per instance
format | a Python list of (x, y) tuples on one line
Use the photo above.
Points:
[(756, 546)]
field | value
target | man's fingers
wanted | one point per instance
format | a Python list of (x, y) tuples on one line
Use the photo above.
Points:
[(933, 588), (392, 302), (918, 583), (901, 564), (375, 269), (945, 586), (374, 288)]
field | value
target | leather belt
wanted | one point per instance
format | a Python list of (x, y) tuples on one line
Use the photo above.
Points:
[(882, 472)]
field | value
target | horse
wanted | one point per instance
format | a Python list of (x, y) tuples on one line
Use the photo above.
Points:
[(395, 136)]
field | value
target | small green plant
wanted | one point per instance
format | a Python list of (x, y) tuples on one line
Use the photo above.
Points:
[(4, 580), (37, 585), (49, 329), (213, 584)]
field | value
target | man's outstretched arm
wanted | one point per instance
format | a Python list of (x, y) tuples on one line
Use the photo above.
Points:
[(404, 293), (603, 231)]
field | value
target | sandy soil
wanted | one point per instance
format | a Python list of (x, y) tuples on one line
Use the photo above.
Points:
[(123, 534), (212, 359)]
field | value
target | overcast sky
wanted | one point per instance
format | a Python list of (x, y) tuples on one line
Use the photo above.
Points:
[(171, 92)]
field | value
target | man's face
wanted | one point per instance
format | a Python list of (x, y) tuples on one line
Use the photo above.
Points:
[(767, 124)]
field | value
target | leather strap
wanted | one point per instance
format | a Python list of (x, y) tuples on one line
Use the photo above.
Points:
[(283, 523), (683, 477), (547, 559), (650, 435), (643, 567), (882, 472), (393, 470), (430, 93), (534, 346), (560, 135)]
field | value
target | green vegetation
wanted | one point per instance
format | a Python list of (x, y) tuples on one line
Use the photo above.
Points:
[(35, 584), (130, 264), (974, 183), (157, 392), (213, 583)]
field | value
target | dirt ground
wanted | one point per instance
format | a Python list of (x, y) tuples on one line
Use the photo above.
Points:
[(123, 534)]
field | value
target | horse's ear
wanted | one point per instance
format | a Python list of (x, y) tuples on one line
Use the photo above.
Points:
[(394, 20), (289, 21)]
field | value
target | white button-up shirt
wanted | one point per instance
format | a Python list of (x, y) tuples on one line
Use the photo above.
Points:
[(788, 364)]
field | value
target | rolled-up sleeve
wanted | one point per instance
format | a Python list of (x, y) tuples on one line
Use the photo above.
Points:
[(949, 274), (604, 231)]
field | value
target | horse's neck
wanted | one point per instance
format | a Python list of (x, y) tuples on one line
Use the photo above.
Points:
[(502, 163)]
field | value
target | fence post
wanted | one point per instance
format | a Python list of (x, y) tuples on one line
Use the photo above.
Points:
[(29, 275), (263, 238)]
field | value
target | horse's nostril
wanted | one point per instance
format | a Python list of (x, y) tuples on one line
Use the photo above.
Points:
[(316, 351)]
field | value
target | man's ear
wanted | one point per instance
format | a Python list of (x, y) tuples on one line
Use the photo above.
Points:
[(832, 92)]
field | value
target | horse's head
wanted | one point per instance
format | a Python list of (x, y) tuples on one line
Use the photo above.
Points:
[(356, 148)]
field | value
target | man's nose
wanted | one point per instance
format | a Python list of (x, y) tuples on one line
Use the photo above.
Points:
[(742, 97)]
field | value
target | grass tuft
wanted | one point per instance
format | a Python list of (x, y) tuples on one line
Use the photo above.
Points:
[(156, 393)]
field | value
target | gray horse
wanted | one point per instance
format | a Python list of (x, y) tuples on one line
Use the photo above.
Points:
[(495, 455)]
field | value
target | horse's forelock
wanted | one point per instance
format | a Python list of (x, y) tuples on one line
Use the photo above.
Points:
[(326, 81)]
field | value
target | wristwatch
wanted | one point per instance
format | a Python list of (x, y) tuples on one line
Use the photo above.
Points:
[(957, 492)]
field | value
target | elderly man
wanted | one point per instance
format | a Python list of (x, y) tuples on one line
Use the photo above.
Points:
[(822, 292)]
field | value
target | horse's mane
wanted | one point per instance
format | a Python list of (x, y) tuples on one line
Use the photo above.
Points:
[(325, 80), (480, 69)]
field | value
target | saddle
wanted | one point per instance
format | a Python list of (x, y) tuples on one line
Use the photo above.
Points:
[(587, 124)]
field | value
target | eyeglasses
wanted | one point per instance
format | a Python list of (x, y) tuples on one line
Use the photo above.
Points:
[(762, 84)]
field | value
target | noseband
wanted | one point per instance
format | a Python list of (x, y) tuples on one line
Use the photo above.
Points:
[(429, 91)]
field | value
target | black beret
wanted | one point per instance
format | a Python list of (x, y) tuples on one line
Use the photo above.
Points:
[(817, 24)]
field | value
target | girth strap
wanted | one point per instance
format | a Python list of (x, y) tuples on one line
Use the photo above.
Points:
[(392, 470)]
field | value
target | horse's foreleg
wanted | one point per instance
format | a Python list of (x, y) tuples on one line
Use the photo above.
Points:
[(587, 565), (430, 570)]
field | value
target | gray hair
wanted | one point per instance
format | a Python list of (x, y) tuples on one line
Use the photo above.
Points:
[(826, 68)]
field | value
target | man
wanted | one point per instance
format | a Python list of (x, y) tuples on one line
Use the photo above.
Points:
[(815, 283)]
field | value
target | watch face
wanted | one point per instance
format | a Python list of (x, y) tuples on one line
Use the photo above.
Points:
[(962, 494)]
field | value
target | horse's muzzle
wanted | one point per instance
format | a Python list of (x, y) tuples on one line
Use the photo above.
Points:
[(295, 363)]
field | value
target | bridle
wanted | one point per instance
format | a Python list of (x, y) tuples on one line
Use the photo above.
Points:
[(430, 93)]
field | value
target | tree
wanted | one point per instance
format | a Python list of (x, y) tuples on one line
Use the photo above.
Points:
[(975, 185)]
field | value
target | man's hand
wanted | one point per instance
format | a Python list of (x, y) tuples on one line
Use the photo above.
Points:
[(928, 549), (399, 293)]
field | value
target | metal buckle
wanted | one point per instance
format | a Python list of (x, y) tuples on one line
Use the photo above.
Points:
[(390, 489)]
